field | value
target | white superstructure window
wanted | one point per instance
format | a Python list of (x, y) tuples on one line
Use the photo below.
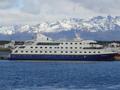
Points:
[(98, 51), (57, 47), (22, 47), (21, 51), (85, 52), (75, 51), (50, 47), (66, 51), (75, 47), (66, 47), (80, 52), (16, 51)]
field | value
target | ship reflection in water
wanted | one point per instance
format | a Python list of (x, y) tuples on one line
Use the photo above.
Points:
[(59, 75)]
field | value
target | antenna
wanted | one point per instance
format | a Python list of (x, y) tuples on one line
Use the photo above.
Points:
[(77, 35), (36, 33)]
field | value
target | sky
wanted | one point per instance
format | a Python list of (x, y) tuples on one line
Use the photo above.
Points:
[(35, 11)]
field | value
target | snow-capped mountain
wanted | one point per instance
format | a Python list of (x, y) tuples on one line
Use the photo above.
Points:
[(99, 28)]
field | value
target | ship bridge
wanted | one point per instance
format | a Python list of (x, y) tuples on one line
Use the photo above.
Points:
[(40, 37)]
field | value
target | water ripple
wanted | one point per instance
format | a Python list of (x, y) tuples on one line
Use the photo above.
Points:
[(59, 76)]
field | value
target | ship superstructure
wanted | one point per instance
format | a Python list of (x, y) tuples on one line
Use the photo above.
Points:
[(44, 48)]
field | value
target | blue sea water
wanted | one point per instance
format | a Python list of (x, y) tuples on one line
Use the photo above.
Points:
[(16, 75)]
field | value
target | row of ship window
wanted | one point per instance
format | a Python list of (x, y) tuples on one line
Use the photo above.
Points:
[(58, 47), (55, 43), (61, 52), (71, 43)]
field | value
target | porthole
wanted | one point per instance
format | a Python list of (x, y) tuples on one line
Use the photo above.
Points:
[(71, 47), (75, 47), (75, 51), (61, 47), (98, 51), (85, 52), (16, 51)]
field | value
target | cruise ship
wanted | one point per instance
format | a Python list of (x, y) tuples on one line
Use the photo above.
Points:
[(44, 48)]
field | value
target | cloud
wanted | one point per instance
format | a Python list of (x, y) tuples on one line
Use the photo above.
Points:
[(5, 4), (101, 6), (35, 11), (66, 8), (31, 6)]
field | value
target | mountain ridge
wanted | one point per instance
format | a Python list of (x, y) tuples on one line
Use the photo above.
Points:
[(94, 28)]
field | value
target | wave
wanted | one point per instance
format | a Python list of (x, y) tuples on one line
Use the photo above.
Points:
[(115, 87), (50, 88)]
